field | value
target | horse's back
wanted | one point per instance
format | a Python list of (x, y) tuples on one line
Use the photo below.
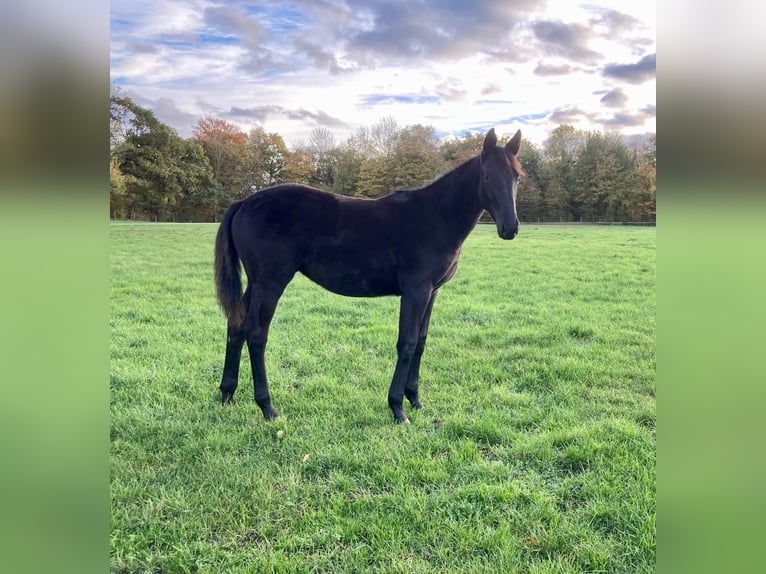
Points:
[(287, 211), (303, 213)]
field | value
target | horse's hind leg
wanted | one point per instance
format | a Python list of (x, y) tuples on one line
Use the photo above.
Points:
[(235, 340), (262, 306)]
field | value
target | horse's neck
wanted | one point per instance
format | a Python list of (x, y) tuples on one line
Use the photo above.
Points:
[(457, 197)]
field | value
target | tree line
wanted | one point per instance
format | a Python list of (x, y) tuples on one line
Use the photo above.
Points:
[(157, 175)]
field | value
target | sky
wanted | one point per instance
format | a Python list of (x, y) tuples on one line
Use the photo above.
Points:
[(462, 67)]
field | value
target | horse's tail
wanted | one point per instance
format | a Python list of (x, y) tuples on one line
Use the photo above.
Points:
[(228, 282)]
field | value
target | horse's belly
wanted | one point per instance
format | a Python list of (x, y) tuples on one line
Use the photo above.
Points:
[(352, 275)]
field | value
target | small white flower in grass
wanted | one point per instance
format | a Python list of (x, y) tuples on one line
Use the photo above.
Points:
[(280, 434)]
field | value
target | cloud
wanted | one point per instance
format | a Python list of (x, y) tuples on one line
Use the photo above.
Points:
[(322, 58), (553, 69), (615, 98), (320, 118), (616, 22), (565, 40), (623, 120), (566, 115), (166, 110), (234, 21), (405, 31), (527, 118), (258, 113), (385, 99), (261, 113), (451, 90), (643, 70), (143, 48), (460, 65)]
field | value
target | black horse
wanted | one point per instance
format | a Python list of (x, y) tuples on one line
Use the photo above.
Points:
[(406, 243)]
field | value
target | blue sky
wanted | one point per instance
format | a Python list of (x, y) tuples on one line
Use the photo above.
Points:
[(294, 65)]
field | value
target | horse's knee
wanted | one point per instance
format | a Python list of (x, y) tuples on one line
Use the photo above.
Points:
[(406, 348)]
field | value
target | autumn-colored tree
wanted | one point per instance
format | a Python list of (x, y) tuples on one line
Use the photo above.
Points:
[(298, 167), (457, 151), (225, 146), (156, 174), (373, 178)]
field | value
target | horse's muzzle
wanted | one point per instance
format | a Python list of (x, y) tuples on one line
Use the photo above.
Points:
[(508, 231)]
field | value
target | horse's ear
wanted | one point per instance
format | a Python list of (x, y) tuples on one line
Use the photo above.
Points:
[(514, 144), (490, 143)]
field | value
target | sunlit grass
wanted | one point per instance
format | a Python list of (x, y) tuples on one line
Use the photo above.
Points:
[(535, 452)]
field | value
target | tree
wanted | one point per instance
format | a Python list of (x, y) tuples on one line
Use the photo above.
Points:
[(555, 202), (561, 151), (298, 167), (194, 180), (156, 174), (373, 178), (225, 146), (265, 162), (118, 205), (348, 163), (530, 200), (606, 185), (161, 170), (322, 147), (457, 151), (416, 159), (646, 175), (120, 116), (383, 137)]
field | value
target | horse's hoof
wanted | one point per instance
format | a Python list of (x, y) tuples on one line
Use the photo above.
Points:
[(417, 405), (270, 415), (402, 421)]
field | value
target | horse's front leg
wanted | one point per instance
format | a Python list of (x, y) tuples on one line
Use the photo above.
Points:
[(411, 313), (413, 377)]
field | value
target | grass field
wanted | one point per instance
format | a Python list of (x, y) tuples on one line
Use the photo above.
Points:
[(535, 452)]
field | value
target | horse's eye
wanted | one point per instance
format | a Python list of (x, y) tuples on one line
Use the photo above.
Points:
[(486, 177)]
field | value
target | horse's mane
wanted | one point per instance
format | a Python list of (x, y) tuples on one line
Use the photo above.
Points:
[(515, 164), (512, 159)]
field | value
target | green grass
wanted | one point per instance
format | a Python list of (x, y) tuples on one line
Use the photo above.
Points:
[(535, 452)]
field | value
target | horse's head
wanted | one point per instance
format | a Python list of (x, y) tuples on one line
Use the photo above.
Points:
[(499, 179)]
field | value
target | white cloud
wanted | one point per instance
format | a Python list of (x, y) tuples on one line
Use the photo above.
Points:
[(294, 58)]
